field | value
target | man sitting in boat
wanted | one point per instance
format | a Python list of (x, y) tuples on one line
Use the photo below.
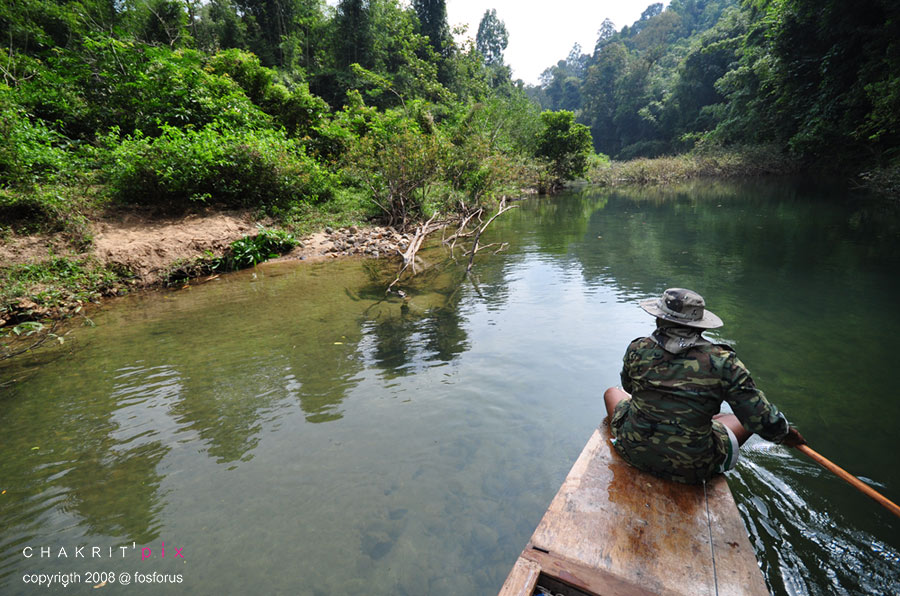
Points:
[(665, 418)]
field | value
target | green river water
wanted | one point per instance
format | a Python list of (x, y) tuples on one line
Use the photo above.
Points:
[(289, 430)]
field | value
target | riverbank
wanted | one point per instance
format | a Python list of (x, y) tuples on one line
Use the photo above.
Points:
[(47, 277), (741, 162), (51, 274), (716, 163)]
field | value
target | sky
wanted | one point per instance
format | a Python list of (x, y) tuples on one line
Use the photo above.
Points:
[(541, 33)]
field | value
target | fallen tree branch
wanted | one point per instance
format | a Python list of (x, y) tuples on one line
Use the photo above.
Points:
[(409, 256), (39, 339), (462, 231), (503, 209), (502, 246)]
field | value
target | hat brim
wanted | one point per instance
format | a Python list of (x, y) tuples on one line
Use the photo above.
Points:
[(709, 320)]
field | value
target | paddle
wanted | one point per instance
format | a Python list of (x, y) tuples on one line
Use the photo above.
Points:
[(850, 478)]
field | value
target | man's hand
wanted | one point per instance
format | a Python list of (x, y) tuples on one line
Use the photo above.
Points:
[(793, 438)]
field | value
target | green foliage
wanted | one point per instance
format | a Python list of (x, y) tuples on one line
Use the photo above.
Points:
[(432, 16), (492, 38), (398, 162), (706, 160), (56, 282), (111, 82), (159, 22), (479, 159), (294, 107), (565, 145), (354, 34), (247, 251), (816, 79), (247, 168), (30, 149), (250, 250), (35, 209)]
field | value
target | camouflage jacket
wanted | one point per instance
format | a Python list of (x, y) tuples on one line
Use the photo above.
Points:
[(666, 427)]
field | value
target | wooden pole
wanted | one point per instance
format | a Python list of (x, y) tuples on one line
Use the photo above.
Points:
[(850, 478)]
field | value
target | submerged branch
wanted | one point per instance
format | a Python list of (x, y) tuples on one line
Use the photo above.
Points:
[(40, 337)]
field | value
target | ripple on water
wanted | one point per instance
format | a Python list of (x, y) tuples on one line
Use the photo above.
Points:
[(804, 546)]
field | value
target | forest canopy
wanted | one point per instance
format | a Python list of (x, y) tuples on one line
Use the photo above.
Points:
[(287, 105), (370, 106), (820, 80)]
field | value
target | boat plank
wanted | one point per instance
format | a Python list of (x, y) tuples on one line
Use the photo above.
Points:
[(522, 579), (617, 530)]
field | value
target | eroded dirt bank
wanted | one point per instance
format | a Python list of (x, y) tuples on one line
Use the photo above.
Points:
[(150, 247), (144, 250)]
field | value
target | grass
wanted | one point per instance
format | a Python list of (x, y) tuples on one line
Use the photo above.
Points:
[(55, 283), (33, 297), (60, 210), (709, 163), (349, 207)]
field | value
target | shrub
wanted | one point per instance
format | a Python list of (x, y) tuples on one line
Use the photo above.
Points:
[(111, 82), (51, 283), (250, 250), (30, 149), (292, 105), (247, 168), (24, 211), (398, 162), (565, 145), (243, 252), (48, 209)]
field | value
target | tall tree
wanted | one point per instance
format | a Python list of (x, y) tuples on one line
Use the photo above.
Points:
[(599, 90), (565, 145), (161, 22), (433, 24), (273, 20), (354, 38), (492, 38), (604, 35), (433, 19), (305, 42)]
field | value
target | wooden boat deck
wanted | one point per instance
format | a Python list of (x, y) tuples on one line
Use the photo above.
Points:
[(612, 530)]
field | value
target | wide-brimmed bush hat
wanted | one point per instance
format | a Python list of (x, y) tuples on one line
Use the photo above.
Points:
[(684, 307)]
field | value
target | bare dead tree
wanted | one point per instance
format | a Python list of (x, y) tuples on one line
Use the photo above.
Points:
[(463, 230)]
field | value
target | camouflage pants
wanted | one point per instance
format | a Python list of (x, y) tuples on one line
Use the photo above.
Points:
[(656, 459)]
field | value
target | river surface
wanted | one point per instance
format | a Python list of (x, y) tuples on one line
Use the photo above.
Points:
[(290, 430)]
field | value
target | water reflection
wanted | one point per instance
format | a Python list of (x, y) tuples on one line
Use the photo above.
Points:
[(300, 419), (796, 276), (94, 466), (396, 344)]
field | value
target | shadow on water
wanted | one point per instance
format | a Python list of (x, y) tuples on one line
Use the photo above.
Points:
[(336, 439)]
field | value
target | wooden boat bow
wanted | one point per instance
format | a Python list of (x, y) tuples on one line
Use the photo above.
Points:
[(612, 530)]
